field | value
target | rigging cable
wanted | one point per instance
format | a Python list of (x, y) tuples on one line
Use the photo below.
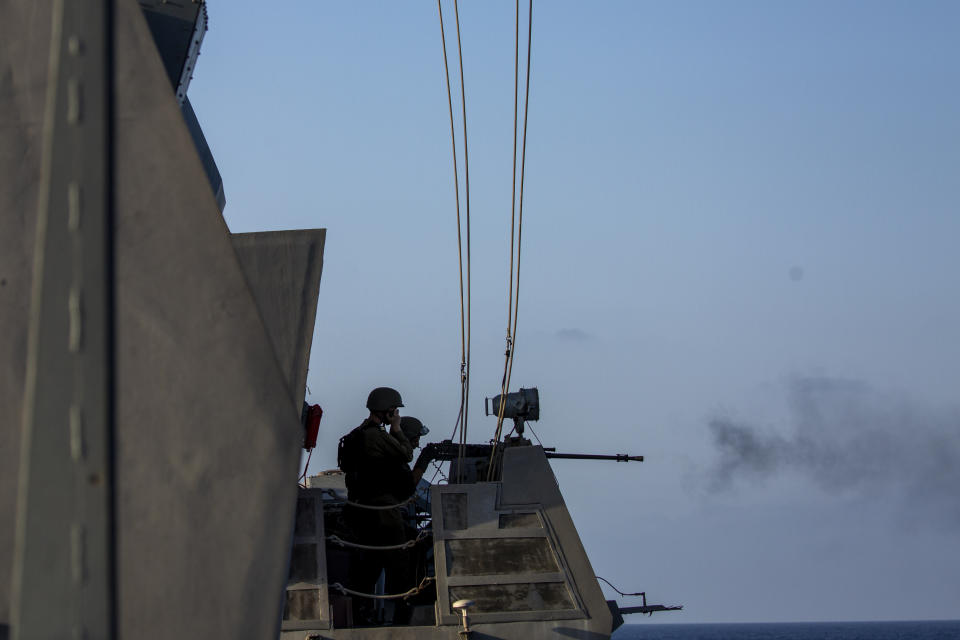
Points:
[(513, 208), (513, 296), (535, 435), (466, 174), (464, 324)]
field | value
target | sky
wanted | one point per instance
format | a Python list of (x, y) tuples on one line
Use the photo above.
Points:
[(739, 260)]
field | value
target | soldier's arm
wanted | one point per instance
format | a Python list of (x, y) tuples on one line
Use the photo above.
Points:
[(392, 447), (405, 447), (427, 455)]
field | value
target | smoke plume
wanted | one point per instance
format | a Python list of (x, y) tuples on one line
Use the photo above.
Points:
[(848, 438)]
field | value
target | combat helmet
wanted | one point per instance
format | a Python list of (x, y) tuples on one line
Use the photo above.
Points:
[(412, 427), (384, 399)]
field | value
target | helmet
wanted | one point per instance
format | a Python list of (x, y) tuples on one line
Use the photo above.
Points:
[(412, 428), (384, 399)]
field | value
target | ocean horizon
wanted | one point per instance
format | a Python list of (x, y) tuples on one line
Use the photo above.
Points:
[(852, 630)]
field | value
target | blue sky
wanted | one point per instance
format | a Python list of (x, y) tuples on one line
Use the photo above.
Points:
[(745, 210)]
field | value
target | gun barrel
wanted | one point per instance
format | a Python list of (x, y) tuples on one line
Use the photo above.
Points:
[(619, 457), (648, 609)]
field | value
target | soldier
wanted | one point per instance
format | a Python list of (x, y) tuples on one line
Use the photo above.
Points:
[(413, 429), (378, 474), (376, 461), (417, 557)]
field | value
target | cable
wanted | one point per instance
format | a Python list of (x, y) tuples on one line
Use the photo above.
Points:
[(373, 596), (513, 296), (534, 434), (513, 207), (639, 593), (409, 544), (466, 172), (439, 471), (456, 424), (373, 507), (513, 186), (306, 466), (523, 166), (456, 185)]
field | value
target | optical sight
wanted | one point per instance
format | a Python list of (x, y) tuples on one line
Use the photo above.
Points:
[(520, 405)]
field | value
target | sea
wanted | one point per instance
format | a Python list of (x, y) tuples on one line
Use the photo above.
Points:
[(902, 630)]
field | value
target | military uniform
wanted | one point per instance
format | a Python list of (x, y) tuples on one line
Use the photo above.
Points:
[(383, 478)]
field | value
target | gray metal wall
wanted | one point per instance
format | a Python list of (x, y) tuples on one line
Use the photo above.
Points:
[(207, 438), (283, 270), (23, 77)]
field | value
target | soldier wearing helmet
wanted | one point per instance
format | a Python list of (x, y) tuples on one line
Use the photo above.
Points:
[(414, 430), (375, 460)]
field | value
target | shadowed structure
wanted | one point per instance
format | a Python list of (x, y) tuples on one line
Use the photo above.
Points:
[(207, 442), (283, 270)]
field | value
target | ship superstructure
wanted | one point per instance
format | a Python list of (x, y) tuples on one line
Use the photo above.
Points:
[(162, 503)]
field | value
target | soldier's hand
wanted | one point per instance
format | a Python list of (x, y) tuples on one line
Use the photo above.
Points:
[(394, 420)]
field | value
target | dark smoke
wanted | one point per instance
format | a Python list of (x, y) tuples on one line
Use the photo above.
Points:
[(848, 438), (573, 335)]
